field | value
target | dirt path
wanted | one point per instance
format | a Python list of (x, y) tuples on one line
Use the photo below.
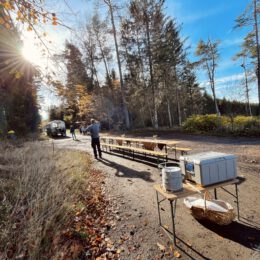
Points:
[(129, 186)]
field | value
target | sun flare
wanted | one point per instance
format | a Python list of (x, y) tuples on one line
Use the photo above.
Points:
[(32, 53)]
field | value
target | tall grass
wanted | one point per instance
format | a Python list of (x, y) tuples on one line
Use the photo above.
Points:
[(37, 189)]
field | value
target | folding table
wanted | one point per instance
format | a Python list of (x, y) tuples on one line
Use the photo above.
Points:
[(189, 191)]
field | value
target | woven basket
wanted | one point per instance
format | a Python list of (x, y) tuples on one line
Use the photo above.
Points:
[(149, 146), (119, 142), (220, 218)]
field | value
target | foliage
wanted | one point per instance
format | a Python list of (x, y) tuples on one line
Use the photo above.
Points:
[(204, 123), (18, 93), (158, 74), (56, 113), (18, 98), (25, 12), (76, 93), (213, 124)]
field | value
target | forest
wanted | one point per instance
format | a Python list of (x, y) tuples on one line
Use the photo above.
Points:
[(128, 68)]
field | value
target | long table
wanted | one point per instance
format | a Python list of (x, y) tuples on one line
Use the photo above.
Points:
[(159, 142)]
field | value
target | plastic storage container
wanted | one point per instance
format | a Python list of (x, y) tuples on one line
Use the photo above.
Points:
[(209, 167)]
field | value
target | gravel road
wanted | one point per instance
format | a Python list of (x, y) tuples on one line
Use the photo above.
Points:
[(129, 187)]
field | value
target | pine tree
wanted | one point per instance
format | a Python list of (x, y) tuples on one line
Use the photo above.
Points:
[(76, 76), (18, 91)]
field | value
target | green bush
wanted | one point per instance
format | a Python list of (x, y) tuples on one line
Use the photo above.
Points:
[(204, 123), (239, 125)]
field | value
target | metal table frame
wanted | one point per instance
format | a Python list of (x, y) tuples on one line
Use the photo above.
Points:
[(175, 196)]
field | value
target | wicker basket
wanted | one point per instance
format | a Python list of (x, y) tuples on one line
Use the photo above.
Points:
[(119, 142), (220, 218), (149, 146)]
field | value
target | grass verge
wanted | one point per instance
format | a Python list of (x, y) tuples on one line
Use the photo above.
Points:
[(40, 192)]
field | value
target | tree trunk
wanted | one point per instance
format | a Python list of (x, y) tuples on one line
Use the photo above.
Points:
[(178, 106), (103, 57), (248, 107), (211, 73), (150, 112), (169, 113), (258, 54), (142, 115), (155, 115), (215, 99), (2, 120), (124, 107)]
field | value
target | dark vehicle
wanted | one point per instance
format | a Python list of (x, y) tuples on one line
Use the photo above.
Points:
[(55, 128)]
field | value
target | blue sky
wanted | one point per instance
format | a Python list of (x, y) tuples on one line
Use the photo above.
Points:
[(199, 19), (203, 19)]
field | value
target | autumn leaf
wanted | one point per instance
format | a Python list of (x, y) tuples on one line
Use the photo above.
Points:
[(29, 28), (7, 26), (18, 74), (177, 254), (7, 6), (161, 247)]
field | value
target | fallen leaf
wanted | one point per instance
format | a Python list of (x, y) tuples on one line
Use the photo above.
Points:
[(161, 247), (177, 254)]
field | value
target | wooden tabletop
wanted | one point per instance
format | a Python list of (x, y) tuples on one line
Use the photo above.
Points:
[(188, 190), (142, 140)]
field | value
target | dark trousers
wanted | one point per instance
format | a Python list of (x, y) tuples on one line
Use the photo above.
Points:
[(73, 136), (95, 143)]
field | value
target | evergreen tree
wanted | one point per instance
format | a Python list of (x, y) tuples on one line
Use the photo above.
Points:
[(18, 91), (76, 76)]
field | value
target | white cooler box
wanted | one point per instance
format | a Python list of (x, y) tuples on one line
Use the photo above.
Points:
[(209, 167)]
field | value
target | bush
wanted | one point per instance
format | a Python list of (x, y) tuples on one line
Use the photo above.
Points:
[(239, 125), (37, 190), (202, 123)]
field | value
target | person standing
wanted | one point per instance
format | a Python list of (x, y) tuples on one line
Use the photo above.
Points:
[(72, 131), (94, 130)]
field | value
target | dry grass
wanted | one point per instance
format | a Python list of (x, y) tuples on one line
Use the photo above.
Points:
[(37, 190)]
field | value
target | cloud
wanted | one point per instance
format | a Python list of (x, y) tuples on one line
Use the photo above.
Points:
[(190, 16), (231, 42), (222, 81)]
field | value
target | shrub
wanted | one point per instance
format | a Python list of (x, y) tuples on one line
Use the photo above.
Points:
[(239, 125), (202, 123)]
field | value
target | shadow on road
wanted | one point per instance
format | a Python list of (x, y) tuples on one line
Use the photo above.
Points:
[(246, 235), (127, 172), (59, 137)]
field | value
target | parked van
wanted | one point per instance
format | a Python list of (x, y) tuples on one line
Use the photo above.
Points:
[(55, 128)]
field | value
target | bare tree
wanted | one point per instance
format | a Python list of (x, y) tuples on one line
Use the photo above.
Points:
[(208, 52), (250, 18), (111, 8)]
